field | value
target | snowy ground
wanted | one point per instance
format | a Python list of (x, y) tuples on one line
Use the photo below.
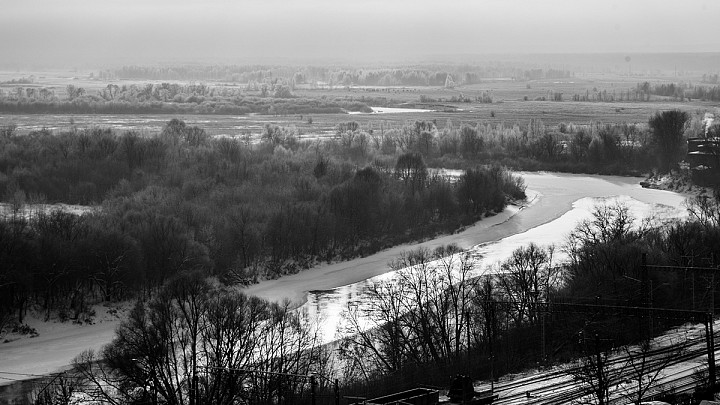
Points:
[(56, 343), (29, 210)]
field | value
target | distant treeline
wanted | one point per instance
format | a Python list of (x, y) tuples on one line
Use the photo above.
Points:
[(643, 91), (172, 98), (595, 148), (684, 91), (180, 200), (239, 107), (711, 78), (432, 75)]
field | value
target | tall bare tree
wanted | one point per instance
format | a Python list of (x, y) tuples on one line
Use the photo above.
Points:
[(526, 279), (422, 315), (668, 128)]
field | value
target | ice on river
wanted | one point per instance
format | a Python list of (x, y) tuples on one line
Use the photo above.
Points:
[(326, 307)]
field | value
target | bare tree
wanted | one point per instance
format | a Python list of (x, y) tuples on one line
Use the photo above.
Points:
[(631, 374), (422, 315), (705, 209), (287, 346), (196, 343), (411, 169), (609, 223), (377, 340), (526, 279), (60, 389), (644, 367), (595, 374)]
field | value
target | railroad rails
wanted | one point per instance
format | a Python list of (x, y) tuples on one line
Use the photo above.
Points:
[(677, 374)]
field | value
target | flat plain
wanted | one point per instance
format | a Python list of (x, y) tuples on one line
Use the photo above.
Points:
[(513, 102)]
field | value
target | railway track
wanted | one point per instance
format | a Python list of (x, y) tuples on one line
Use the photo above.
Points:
[(675, 365)]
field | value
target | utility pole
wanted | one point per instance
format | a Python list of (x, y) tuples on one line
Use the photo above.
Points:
[(710, 341), (467, 332), (313, 385), (646, 286), (337, 392), (491, 343), (599, 365), (542, 341), (467, 326), (644, 282)]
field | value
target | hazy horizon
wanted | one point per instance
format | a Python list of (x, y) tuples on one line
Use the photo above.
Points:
[(84, 32)]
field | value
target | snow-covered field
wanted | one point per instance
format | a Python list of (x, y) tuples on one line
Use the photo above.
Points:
[(391, 110), (56, 343), (29, 210), (552, 196)]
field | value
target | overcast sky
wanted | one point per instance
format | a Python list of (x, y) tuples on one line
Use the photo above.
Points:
[(150, 31)]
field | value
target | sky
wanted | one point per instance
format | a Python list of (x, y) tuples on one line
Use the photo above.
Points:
[(243, 31)]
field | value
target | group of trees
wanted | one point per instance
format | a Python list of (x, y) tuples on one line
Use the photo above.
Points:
[(434, 75), (61, 263), (644, 91), (180, 200), (608, 261), (198, 343), (710, 78), (608, 148), (681, 258), (232, 73), (439, 306), (638, 94), (537, 74), (681, 91), (272, 97)]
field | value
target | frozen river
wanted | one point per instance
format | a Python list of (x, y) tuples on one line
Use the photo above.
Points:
[(558, 203)]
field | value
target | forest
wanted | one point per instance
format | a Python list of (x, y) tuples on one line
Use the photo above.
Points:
[(178, 201), (175, 207), (270, 98)]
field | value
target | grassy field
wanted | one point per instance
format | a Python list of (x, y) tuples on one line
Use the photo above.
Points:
[(509, 112), (508, 105)]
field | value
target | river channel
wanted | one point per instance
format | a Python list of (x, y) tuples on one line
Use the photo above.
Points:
[(557, 203)]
